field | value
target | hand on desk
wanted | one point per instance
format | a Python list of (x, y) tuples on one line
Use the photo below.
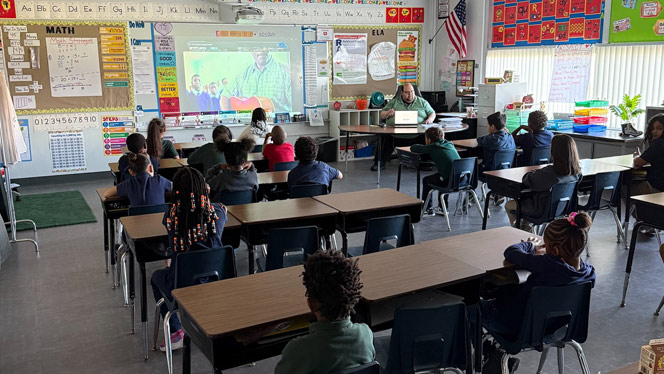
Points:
[(428, 121), (540, 249), (389, 113)]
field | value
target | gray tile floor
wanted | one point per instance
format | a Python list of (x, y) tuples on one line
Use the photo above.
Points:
[(60, 315)]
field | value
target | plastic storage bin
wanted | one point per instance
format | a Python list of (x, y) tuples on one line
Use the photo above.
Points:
[(560, 124), (592, 103), (589, 128), (589, 120), (364, 152)]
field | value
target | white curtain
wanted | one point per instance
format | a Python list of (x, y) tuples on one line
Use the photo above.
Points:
[(12, 140)]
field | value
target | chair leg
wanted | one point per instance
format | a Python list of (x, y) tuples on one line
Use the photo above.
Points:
[(561, 360), (443, 206), (582, 357), (503, 363), (125, 278), (545, 352), (167, 338), (661, 303), (659, 239), (157, 318), (477, 204), (426, 204), (483, 187), (399, 177), (621, 234)]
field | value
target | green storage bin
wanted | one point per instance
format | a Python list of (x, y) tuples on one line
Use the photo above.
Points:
[(592, 103), (517, 113)]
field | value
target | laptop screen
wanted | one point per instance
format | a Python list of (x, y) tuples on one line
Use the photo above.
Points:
[(405, 117)]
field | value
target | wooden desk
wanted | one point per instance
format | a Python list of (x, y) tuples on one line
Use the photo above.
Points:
[(466, 143), (255, 156), (258, 218), (183, 161), (188, 145), (273, 177), (357, 207), (415, 160), (649, 212), (113, 209), (114, 166)]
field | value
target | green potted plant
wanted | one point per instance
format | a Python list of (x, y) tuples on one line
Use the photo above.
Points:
[(628, 110)]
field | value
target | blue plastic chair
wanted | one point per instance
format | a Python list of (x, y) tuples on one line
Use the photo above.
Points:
[(461, 180), (540, 156), (554, 317), (285, 166), (428, 339), (561, 203), (382, 229), (236, 197), (289, 247), (191, 268), (308, 190), (606, 183), (370, 368), (502, 159)]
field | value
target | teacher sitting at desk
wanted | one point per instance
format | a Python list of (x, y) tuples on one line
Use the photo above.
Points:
[(407, 101)]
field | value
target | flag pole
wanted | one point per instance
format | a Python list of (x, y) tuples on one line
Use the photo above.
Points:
[(441, 26)]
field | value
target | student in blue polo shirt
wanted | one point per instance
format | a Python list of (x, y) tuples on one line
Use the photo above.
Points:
[(497, 140), (536, 136), (310, 171), (135, 144), (144, 187)]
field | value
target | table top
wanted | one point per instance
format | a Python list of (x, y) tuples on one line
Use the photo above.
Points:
[(273, 177), (183, 161), (466, 143), (481, 249), (165, 163), (655, 198), (588, 167), (149, 226), (608, 136), (255, 156), (114, 167), (188, 145), (453, 114), (391, 130), (629, 369), (367, 200), (407, 149), (624, 160), (409, 269), (102, 190), (594, 166), (513, 174), (280, 210)]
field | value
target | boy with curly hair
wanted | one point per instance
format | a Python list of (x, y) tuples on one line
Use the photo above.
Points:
[(536, 136), (334, 342), (309, 170)]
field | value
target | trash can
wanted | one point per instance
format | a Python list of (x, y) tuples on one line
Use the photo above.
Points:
[(327, 149)]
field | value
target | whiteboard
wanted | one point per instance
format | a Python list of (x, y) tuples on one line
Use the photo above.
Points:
[(73, 66)]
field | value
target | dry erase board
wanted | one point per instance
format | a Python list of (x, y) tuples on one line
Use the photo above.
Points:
[(407, 61), (57, 66)]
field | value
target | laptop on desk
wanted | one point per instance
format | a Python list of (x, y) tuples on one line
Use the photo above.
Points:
[(405, 118)]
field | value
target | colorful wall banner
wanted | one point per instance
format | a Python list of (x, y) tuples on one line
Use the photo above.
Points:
[(637, 21), (546, 22), (115, 130)]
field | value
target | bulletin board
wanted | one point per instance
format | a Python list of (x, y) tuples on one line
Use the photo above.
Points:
[(546, 22), (637, 21), (377, 34), (59, 67)]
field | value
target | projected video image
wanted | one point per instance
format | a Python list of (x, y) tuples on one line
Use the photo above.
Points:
[(237, 81)]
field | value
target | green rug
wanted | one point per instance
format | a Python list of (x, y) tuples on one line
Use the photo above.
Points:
[(53, 209)]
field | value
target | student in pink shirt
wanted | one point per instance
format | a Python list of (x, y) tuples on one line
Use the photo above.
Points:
[(278, 150)]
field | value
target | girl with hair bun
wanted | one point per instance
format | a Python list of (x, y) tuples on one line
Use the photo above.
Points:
[(237, 174), (143, 187)]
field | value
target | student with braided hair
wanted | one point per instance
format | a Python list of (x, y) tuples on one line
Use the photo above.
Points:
[(334, 343), (193, 223)]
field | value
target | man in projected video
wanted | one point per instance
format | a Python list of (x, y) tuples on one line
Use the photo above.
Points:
[(265, 83)]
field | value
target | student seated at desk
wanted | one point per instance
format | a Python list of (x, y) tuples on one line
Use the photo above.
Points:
[(498, 139), (208, 154), (257, 129), (309, 170), (157, 146), (204, 223), (536, 136), (279, 150), (143, 187), (565, 168), (653, 155), (442, 153), (557, 262), (237, 174), (135, 144), (334, 342)]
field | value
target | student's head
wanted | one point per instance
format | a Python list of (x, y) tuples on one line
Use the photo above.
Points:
[(306, 149), (333, 285), (235, 152), (433, 134), (537, 120), (655, 127), (278, 135), (221, 129), (258, 115), (213, 88), (261, 58), (196, 82), (156, 131), (136, 143), (564, 155), (139, 163), (191, 218), (408, 93), (496, 122), (568, 237)]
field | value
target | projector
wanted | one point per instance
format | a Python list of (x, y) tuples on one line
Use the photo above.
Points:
[(247, 14)]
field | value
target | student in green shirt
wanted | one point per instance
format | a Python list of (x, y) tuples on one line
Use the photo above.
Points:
[(207, 154), (442, 153), (334, 342)]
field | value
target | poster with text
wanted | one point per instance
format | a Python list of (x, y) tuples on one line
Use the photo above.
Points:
[(67, 151), (546, 22), (571, 73), (637, 21), (407, 56), (115, 130), (25, 132), (349, 62)]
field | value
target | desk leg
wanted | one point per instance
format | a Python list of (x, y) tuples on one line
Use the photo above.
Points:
[(344, 243), (379, 151), (517, 223), (186, 356), (106, 239), (419, 196), (251, 257), (478, 333), (132, 291), (486, 209), (628, 203), (347, 143), (630, 259), (144, 311), (111, 248)]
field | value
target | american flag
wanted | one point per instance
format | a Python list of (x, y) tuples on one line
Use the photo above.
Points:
[(456, 28)]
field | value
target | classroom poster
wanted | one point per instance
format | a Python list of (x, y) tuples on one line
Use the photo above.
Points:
[(637, 21), (546, 22), (67, 151), (407, 56), (381, 61), (25, 132), (143, 69), (349, 59), (571, 73), (115, 130)]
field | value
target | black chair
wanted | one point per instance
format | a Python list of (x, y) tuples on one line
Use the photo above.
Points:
[(606, 183), (400, 90), (370, 368), (428, 339), (289, 247), (502, 159), (285, 166), (236, 197), (382, 229), (461, 180), (191, 268), (308, 190), (554, 317), (539, 156), (560, 204), (411, 160)]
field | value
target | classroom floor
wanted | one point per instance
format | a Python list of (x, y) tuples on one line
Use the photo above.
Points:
[(60, 314)]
